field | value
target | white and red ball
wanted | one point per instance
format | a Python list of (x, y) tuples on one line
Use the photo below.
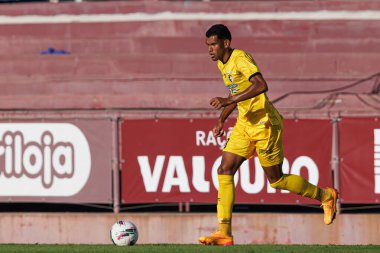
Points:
[(124, 233)]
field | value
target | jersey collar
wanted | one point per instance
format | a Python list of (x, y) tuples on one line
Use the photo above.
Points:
[(229, 56)]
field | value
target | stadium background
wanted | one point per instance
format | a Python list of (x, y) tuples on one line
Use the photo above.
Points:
[(126, 85)]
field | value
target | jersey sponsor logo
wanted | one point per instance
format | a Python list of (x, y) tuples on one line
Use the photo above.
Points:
[(233, 88), (43, 159)]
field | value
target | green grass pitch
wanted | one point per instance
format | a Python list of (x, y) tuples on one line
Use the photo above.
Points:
[(176, 248)]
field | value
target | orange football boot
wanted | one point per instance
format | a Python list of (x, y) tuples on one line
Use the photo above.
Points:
[(329, 206), (217, 238)]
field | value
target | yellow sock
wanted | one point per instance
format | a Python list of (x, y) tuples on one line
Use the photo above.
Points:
[(325, 195), (298, 185), (226, 198)]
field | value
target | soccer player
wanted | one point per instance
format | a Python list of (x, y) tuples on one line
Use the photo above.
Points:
[(258, 128)]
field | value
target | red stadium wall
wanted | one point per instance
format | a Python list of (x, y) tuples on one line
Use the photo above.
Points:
[(121, 79), (76, 159), (162, 65), (179, 164), (165, 62), (178, 228), (56, 160)]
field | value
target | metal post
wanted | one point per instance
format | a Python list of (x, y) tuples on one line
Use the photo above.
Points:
[(115, 164), (187, 207), (335, 158)]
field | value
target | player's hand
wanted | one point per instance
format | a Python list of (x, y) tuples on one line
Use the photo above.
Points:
[(218, 102), (218, 129)]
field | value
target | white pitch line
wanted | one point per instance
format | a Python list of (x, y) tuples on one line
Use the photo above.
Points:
[(163, 16)]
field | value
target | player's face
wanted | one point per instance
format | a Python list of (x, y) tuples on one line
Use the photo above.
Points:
[(216, 47)]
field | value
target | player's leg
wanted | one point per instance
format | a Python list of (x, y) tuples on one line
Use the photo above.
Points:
[(226, 194), (226, 197), (299, 185), (235, 153), (292, 183), (271, 157)]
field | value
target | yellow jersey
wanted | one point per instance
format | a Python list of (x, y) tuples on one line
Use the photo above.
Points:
[(236, 72)]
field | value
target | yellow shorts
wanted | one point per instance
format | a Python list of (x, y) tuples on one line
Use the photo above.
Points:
[(266, 140)]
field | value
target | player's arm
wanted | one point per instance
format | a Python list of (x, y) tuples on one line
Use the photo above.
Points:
[(258, 86), (227, 110)]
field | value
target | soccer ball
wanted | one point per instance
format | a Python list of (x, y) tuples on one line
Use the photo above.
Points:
[(124, 233)]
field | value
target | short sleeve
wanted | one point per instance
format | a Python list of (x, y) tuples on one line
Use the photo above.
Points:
[(246, 65)]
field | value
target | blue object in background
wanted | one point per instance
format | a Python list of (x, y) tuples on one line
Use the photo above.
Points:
[(51, 50)]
